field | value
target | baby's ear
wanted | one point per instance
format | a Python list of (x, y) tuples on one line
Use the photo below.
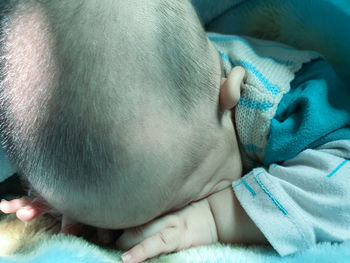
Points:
[(230, 90)]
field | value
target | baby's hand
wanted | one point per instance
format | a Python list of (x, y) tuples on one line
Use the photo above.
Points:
[(192, 226), (25, 208)]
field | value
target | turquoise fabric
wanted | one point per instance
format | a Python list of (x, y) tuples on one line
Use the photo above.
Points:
[(314, 112), (320, 25)]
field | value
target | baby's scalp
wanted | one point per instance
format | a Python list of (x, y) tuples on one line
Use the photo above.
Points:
[(120, 114)]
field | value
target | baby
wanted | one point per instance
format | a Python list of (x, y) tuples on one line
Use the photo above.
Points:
[(125, 115)]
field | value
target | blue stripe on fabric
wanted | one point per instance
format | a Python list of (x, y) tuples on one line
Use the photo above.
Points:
[(337, 168), (233, 38), (248, 187), (240, 182), (252, 148), (227, 39), (225, 57), (270, 195), (237, 185), (268, 85), (254, 104)]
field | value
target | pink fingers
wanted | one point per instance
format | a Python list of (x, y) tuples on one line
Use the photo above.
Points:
[(28, 213), (25, 208), (9, 207)]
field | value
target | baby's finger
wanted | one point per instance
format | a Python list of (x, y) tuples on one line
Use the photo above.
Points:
[(163, 242), (9, 207), (135, 235), (28, 213), (131, 237)]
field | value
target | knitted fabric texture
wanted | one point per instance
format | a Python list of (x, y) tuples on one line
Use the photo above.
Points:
[(270, 68)]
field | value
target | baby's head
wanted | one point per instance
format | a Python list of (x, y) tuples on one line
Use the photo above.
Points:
[(110, 109)]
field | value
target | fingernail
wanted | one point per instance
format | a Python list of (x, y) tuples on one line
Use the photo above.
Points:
[(126, 257)]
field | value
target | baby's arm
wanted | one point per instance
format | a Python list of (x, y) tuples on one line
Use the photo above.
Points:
[(295, 205), (302, 201), (218, 217), (232, 222)]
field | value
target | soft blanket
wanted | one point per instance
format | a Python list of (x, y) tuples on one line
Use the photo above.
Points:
[(321, 25), (34, 243)]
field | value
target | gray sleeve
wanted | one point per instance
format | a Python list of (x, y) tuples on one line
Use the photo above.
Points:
[(303, 201)]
